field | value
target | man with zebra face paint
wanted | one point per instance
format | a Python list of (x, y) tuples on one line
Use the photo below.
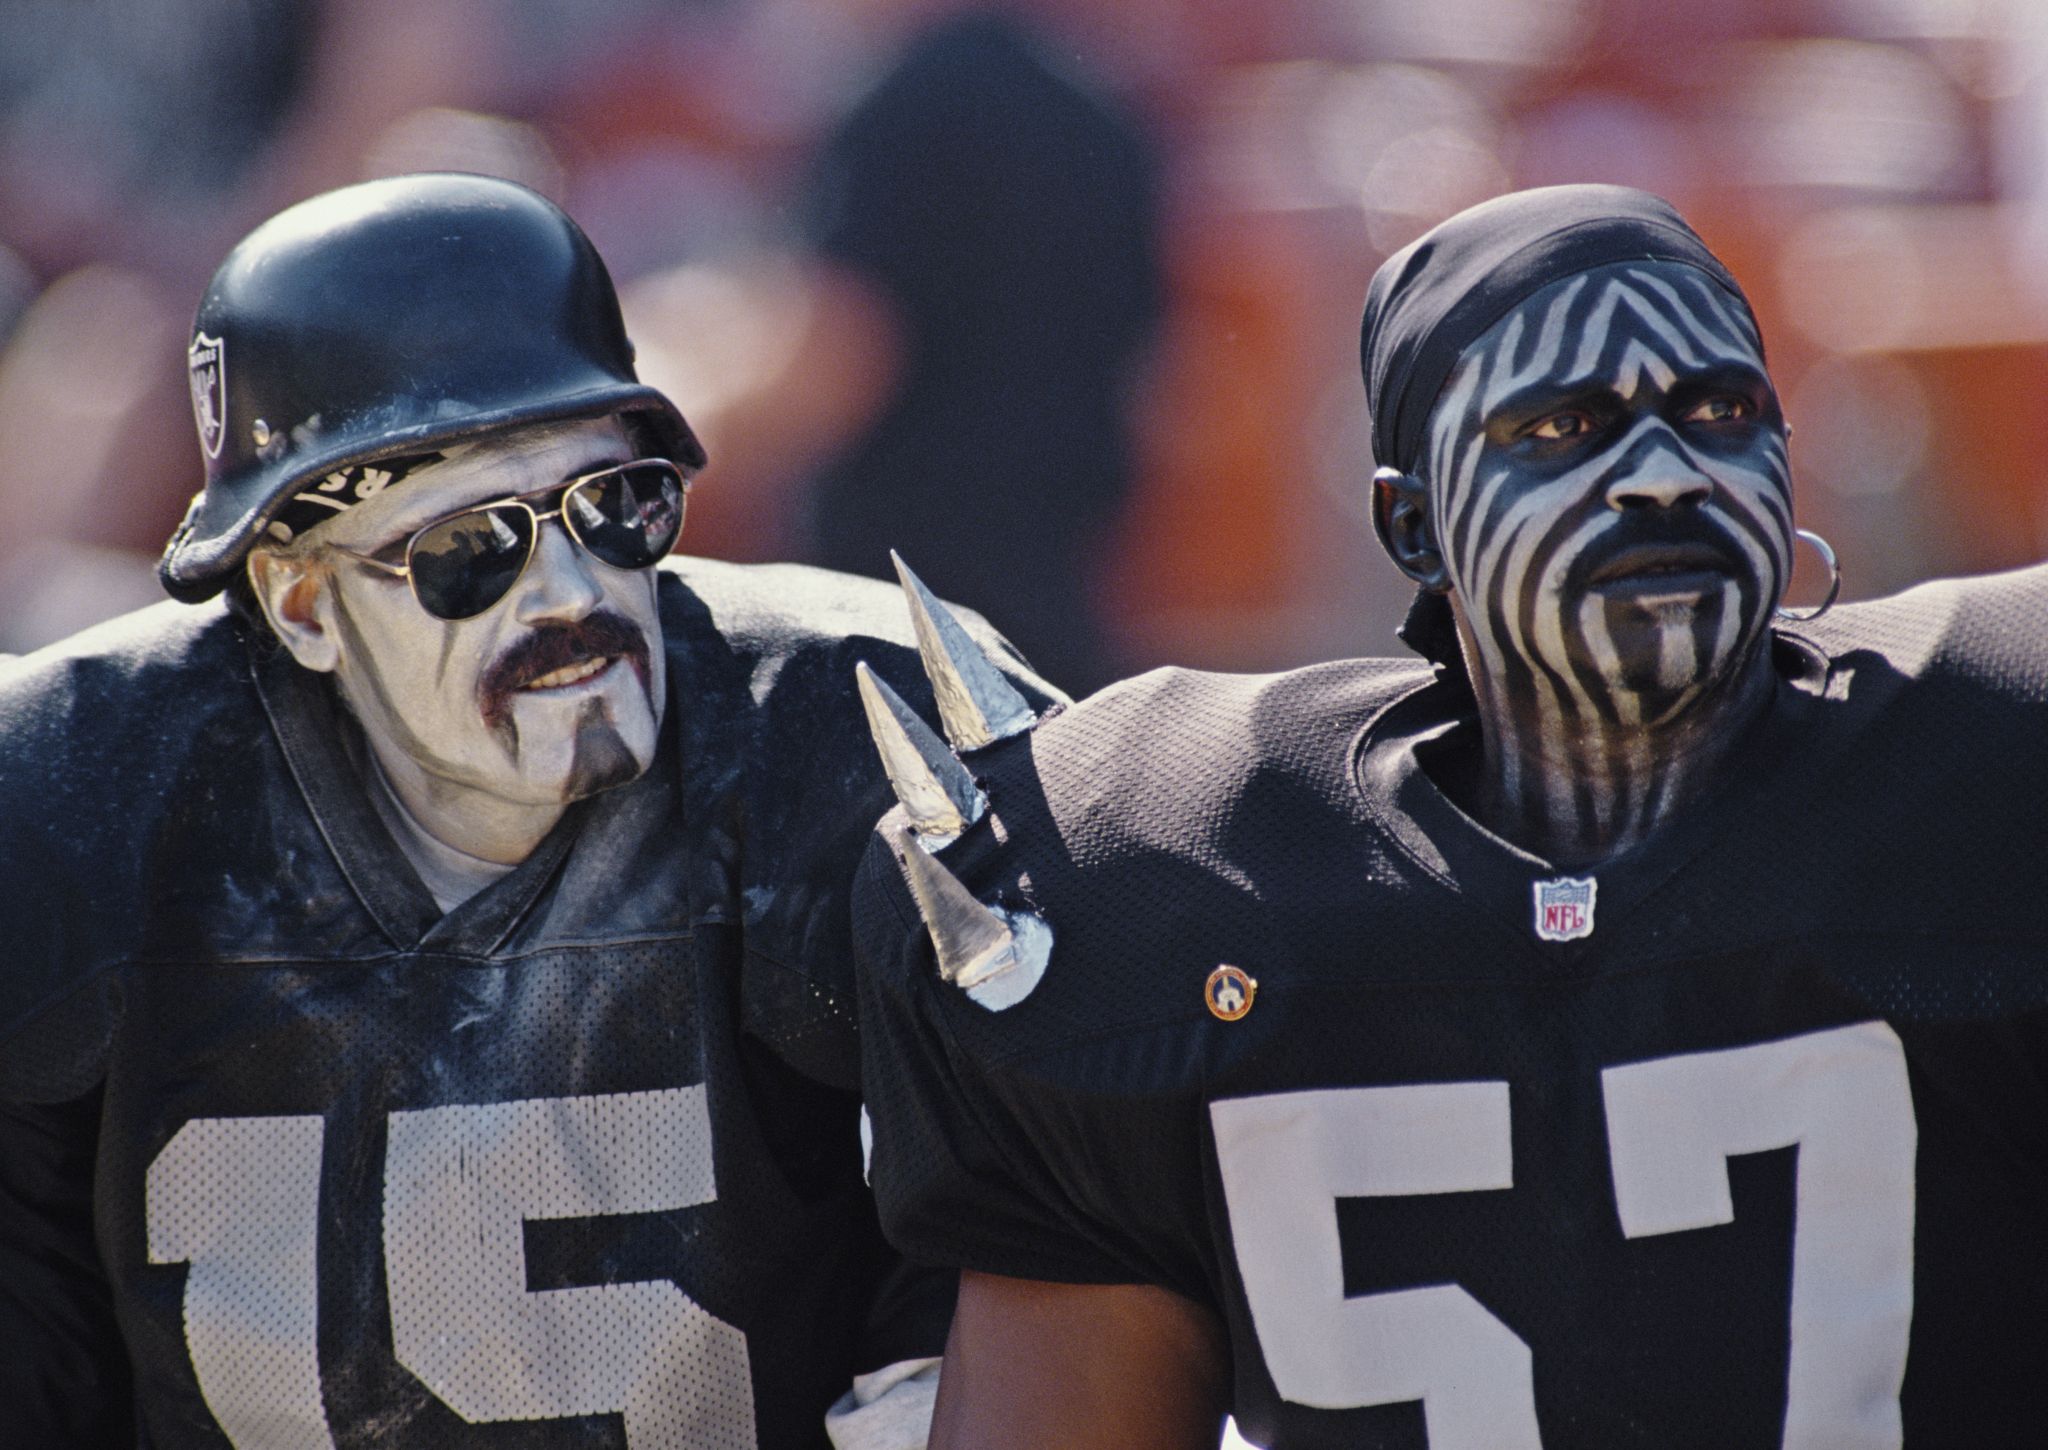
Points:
[(1605, 500), (1626, 1035)]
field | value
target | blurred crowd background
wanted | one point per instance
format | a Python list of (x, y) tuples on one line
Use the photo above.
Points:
[(1059, 297)]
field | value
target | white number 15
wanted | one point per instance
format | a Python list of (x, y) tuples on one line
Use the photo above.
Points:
[(239, 1199)]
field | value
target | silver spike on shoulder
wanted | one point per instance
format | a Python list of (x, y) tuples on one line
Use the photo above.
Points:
[(977, 706), (995, 956), (937, 792)]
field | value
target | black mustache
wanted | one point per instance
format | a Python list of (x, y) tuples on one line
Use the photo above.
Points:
[(554, 645), (1642, 530)]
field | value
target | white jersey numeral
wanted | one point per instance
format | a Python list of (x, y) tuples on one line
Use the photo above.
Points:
[(1286, 1160), (239, 1199), (1843, 1099), (1840, 1096), (460, 1184)]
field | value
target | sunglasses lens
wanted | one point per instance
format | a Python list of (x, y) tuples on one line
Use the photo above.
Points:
[(628, 517), (464, 565)]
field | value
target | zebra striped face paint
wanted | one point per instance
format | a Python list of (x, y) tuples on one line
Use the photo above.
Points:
[(1609, 493)]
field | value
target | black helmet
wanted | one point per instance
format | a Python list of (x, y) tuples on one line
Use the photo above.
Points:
[(391, 318)]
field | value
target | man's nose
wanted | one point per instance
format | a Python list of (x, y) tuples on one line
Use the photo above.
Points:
[(558, 583), (1659, 476)]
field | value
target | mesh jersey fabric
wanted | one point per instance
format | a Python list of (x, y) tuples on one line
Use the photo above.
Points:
[(576, 1164), (1838, 964)]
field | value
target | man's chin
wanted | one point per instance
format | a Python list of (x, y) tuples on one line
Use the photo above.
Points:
[(587, 767), (601, 761), (557, 754)]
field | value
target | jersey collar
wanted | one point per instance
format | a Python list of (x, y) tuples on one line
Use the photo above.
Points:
[(1792, 750)]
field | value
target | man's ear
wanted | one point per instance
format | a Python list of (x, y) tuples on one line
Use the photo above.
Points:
[(297, 595), (1400, 516)]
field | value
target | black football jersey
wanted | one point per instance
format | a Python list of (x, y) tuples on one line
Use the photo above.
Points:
[(1738, 1140), (288, 1158)]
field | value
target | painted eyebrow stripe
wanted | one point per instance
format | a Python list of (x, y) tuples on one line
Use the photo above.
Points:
[(1711, 344), (1639, 357), (1723, 338), (1714, 300), (1662, 324), (1648, 314), (1598, 327), (1604, 332), (1505, 377)]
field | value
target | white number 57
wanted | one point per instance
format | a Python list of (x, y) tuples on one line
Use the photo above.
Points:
[(1841, 1096)]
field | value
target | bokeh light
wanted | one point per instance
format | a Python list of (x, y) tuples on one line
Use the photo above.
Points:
[(1876, 171)]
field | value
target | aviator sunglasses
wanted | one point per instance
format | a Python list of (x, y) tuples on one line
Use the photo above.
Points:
[(627, 516)]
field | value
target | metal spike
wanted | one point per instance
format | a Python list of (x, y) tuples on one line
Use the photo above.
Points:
[(977, 706), (995, 956), (965, 933), (1009, 981), (937, 792)]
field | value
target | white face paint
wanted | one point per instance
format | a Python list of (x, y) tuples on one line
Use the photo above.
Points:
[(1610, 491), (552, 694)]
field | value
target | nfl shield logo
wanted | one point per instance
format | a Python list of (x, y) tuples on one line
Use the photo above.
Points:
[(207, 361), (1564, 908)]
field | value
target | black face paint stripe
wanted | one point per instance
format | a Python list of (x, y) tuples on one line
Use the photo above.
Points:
[(1588, 693), (448, 633), (600, 758), (1709, 299), (1710, 325)]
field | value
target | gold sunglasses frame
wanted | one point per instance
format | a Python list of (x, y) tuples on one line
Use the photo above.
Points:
[(524, 500)]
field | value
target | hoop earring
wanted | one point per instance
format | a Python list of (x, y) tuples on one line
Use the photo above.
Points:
[(1827, 557)]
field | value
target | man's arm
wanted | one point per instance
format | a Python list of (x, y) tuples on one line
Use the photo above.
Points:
[(1032, 1364), (889, 1406), (64, 1376)]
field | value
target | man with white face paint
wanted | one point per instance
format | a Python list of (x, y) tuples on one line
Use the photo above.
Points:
[(427, 1014), (480, 730), (1628, 1032)]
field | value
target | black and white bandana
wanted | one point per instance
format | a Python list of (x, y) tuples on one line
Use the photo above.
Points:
[(341, 490)]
